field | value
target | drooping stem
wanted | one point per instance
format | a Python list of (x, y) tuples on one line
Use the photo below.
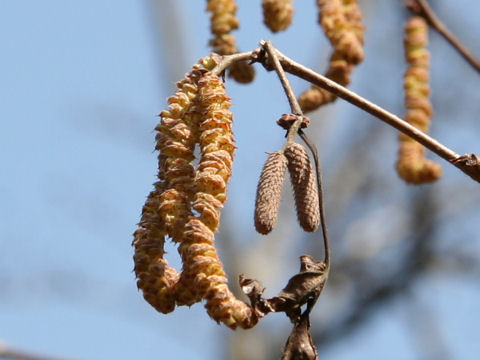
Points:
[(422, 8), (323, 221)]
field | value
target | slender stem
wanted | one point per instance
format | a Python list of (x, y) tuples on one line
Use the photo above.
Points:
[(228, 60), (307, 74), (427, 12), (9, 352), (292, 99), (323, 221)]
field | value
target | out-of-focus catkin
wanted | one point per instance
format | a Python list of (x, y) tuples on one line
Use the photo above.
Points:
[(222, 22), (412, 165), (203, 270), (304, 186), (277, 14), (168, 208), (269, 191), (341, 21)]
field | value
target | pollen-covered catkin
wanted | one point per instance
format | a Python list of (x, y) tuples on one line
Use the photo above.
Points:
[(304, 186), (222, 22), (154, 277), (269, 191), (277, 14), (202, 269), (412, 165), (168, 208), (341, 21)]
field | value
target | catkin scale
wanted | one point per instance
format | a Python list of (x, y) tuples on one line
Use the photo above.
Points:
[(269, 191), (341, 21), (277, 14), (412, 166), (304, 186)]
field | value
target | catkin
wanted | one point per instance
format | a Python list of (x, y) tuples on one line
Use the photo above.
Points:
[(277, 14), (168, 208), (304, 186), (202, 269), (269, 191), (341, 21), (222, 22), (412, 165)]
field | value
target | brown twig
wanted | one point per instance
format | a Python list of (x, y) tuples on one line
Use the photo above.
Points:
[(468, 163), (422, 8)]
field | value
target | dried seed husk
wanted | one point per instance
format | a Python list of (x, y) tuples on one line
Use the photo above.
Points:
[(304, 186), (269, 191)]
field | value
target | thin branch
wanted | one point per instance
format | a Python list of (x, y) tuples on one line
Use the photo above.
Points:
[(468, 163), (422, 8), (10, 352), (292, 99), (229, 60)]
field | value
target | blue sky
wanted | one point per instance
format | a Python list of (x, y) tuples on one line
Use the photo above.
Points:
[(81, 83)]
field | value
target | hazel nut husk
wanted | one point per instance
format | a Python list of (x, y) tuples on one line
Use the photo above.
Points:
[(412, 166)]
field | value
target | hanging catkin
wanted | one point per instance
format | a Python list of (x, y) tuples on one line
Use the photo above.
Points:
[(222, 22), (167, 208), (277, 14), (341, 21), (202, 269), (412, 165), (304, 186), (269, 191)]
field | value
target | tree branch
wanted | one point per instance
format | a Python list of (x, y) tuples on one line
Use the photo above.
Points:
[(9, 352), (422, 8), (468, 163)]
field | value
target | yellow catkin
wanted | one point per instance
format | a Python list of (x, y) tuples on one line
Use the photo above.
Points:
[(202, 267), (222, 22), (341, 21), (277, 14), (168, 207), (269, 191), (412, 165), (304, 186)]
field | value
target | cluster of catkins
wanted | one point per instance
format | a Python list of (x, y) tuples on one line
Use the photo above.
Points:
[(267, 203), (412, 165), (341, 21), (186, 201), (222, 22)]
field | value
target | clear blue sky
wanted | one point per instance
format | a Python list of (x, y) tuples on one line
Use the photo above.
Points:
[(80, 85)]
